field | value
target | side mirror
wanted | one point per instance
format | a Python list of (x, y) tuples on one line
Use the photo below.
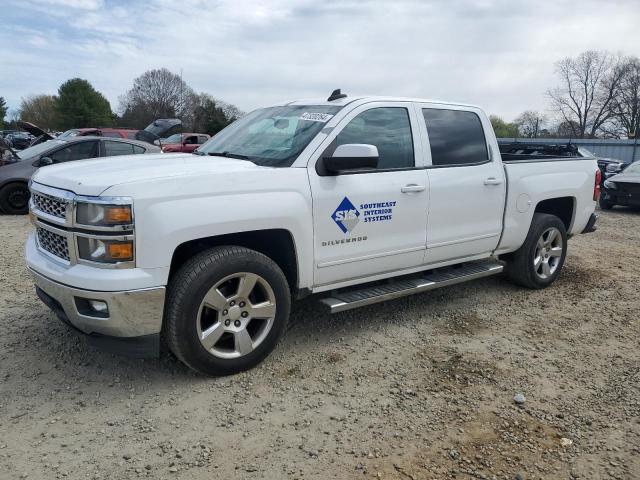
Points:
[(352, 156), (44, 161)]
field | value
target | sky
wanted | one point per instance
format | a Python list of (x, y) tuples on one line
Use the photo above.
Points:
[(498, 54)]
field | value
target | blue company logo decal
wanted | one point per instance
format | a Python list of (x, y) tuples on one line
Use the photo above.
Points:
[(346, 216)]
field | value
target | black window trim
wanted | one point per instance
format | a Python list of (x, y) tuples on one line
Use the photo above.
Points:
[(455, 165), (319, 167)]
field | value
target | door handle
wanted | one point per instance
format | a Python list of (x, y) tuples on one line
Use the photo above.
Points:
[(412, 188), (492, 181)]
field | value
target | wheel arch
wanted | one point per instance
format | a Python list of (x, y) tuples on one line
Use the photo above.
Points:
[(562, 207), (277, 244)]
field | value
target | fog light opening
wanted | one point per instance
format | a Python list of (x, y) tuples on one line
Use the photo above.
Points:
[(99, 306), (92, 308)]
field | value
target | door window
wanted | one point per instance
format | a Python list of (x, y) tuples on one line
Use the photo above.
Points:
[(202, 139), (75, 151), (191, 140), (389, 129), (112, 149), (456, 137)]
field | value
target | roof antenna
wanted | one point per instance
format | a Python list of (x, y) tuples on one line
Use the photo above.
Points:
[(336, 95)]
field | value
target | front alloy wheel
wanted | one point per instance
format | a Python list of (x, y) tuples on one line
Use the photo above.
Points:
[(236, 315), (226, 309)]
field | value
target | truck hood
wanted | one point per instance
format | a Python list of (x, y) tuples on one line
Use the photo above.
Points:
[(92, 177)]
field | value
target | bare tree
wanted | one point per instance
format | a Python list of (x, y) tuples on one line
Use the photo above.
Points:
[(626, 104), (589, 84), (39, 109), (157, 94), (530, 123)]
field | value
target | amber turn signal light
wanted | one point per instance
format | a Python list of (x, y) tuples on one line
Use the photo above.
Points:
[(118, 214), (120, 250)]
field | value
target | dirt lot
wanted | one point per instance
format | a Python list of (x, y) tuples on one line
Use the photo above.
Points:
[(418, 388)]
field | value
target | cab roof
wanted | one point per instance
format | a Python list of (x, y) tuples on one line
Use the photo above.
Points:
[(360, 99)]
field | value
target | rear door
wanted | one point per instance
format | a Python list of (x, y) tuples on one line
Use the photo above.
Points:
[(467, 184), (373, 221), (75, 151)]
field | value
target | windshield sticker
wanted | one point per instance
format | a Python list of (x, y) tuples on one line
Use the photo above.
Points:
[(316, 117)]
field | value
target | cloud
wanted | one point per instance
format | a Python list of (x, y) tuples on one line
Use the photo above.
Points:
[(498, 54), (79, 4)]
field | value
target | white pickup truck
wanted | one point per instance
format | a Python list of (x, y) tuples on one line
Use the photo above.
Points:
[(354, 199)]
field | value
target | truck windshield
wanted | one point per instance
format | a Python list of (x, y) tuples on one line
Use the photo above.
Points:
[(270, 137)]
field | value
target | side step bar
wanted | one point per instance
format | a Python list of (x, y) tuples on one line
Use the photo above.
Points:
[(346, 299)]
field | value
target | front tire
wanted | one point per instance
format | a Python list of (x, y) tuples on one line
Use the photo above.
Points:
[(538, 262), (14, 199), (227, 307)]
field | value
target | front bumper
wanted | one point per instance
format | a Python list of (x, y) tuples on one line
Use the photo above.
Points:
[(131, 326), (621, 198)]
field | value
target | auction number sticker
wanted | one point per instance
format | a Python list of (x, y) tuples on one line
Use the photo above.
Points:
[(316, 117)]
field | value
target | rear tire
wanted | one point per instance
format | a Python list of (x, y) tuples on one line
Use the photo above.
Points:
[(226, 309), (14, 198), (605, 205), (538, 262)]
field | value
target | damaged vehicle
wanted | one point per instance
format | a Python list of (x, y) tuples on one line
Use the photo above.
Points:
[(622, 189), (184, 142), (17, 167)]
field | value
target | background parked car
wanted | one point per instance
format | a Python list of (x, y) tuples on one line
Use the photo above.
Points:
[(622, 189), (15, 173), (4, 133), (129, 133), (19, 140), (184, 142)]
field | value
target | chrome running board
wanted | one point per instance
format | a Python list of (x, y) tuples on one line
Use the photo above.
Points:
[(354, 297)]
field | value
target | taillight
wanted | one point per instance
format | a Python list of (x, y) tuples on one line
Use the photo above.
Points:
[(596, 186)]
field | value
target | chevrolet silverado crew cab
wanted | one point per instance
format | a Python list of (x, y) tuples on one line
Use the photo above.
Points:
[(354, 199)]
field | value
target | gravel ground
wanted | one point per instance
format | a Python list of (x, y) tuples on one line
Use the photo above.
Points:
[(417, 388)]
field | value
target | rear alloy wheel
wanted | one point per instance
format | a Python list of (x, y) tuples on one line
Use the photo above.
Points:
[(226, 309), (537, 263), (14, 199), (549, 250)]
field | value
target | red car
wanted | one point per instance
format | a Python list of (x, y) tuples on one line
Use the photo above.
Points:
[(101, 132), (183, 142)]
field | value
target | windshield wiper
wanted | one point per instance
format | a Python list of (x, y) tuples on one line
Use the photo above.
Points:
[(228, 154)]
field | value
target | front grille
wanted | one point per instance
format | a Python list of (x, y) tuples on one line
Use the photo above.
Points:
[(53, 243), (52, 206)]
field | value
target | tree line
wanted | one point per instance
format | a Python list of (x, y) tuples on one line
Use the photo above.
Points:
[(598, 95), (154, 94)]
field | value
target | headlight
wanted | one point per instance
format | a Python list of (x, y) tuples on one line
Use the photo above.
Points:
[(613, 168), (104, 215), (105, 251), (610, 185)]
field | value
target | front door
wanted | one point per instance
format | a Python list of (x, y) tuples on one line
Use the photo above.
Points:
[(374, 221)]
